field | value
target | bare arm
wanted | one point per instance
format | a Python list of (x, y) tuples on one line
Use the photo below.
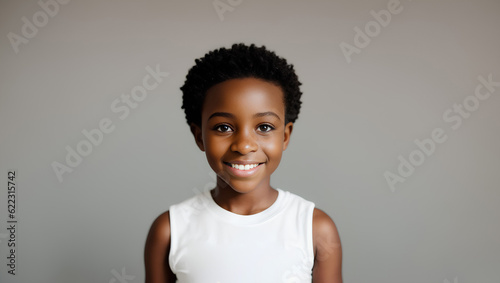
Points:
[(327, 249), (156, 251)]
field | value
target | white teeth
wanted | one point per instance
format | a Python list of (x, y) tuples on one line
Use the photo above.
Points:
[(244, 167)]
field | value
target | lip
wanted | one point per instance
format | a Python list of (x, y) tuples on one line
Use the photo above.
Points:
[(243, 162), (243, 173)]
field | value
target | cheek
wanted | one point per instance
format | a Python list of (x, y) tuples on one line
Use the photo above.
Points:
[(273, 149), (214, 150)]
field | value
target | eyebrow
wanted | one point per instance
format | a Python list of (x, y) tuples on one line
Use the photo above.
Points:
[(257, 115)]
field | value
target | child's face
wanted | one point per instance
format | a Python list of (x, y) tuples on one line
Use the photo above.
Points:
[(243, 121)]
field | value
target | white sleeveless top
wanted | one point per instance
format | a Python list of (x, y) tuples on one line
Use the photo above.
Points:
[(209, 244)]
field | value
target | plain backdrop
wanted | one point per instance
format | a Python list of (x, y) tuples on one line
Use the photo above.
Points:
[(359, 120)]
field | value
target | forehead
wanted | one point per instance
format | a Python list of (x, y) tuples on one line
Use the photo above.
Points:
[(239, 96)]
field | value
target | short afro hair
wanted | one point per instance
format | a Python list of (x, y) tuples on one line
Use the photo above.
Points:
[(239, 61)]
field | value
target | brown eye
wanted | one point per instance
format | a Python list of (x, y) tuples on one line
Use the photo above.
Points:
[(222, 128), (266, 128)]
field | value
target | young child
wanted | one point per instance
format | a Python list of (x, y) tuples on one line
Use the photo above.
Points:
[(241, 103)]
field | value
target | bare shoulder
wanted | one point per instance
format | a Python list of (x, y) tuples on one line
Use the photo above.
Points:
[(323, 225), (157, 249), (327, 249), (161, 226), (159, 234)]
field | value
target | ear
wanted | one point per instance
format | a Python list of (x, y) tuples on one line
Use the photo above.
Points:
[(288, 133), (198, 138)]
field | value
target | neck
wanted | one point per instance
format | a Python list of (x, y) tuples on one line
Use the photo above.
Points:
[(248, 203)]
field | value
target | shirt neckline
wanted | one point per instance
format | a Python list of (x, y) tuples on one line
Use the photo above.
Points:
[(245, 220)]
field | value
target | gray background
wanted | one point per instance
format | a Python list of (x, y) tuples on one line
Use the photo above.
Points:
[(440, 225)]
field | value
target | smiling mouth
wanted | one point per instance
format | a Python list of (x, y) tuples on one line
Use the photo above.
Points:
[(243, 167)]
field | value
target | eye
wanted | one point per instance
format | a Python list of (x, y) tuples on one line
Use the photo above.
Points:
[(266, 128), (222, 128)]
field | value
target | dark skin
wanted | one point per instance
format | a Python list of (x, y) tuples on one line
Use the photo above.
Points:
[(243, 120)]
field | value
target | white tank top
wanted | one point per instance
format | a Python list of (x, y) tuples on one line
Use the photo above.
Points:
[(209, 244)]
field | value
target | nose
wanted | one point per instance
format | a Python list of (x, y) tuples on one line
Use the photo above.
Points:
[(244, 142)]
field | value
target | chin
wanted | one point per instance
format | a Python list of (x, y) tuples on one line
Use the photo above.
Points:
[(243, 186)]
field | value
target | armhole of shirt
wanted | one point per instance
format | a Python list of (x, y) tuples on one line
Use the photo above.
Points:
[(310, 239), (173, 239)]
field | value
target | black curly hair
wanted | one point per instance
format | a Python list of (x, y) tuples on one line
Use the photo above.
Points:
[(240, 61)]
